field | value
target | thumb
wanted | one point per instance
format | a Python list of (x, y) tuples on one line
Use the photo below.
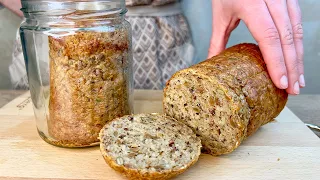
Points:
[(219, 39), (220, 36)]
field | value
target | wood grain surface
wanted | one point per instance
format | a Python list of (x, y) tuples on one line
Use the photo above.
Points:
[(283, 149)]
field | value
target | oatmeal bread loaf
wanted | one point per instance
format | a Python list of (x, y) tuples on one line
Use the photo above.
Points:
[(149, 146), (225, 99), (88, 85)]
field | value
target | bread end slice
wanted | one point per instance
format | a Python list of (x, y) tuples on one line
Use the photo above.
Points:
[(149, 146)]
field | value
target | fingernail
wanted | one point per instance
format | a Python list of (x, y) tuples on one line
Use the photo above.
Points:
[(301, 81), (284, 82), (296, 88)]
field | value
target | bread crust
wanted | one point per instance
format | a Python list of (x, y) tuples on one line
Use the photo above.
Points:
[(249, 74), (136, 174), (241, 69)]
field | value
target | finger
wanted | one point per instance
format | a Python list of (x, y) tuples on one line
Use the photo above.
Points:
[(218, 40), (260, 24), (222, 25), (279, 13), (222, 35), (295, 18)]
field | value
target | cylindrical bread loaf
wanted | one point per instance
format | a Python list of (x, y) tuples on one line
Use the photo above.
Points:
[(226, 98)]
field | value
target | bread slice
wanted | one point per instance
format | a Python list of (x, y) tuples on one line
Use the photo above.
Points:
[(149, 146), (224, 99)]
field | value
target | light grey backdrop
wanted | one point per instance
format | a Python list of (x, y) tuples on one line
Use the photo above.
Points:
[(9, 24), (198, 13)]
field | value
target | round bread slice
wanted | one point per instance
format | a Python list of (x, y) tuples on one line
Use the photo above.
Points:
[(149, 146)]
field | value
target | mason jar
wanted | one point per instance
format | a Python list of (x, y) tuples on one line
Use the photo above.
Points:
[(79, 63)]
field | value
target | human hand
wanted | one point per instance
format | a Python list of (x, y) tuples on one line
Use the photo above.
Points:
[(275, 25), (13, 5)]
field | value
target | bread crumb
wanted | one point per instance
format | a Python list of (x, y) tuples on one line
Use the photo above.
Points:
[(273, 121)]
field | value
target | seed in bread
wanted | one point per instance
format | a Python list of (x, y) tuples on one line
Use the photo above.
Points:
[(225, 99), (149, 146)]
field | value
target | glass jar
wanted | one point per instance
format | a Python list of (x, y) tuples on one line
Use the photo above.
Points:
[(79, 63)]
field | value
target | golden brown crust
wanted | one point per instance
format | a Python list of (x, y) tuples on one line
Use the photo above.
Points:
[(135, 174), (265, 100), (89, 43), (242, 67), (88, 86)]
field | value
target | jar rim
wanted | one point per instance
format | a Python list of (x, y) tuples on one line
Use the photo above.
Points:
[(114, 6)]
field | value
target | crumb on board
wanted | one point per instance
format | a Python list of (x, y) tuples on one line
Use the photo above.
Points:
[(273, 121)]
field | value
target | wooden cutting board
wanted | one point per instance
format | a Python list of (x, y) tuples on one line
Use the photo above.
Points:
[(283, 149)]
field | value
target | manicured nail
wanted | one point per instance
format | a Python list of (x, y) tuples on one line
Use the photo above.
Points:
[(301, 81), (296, 88), (284, 82)]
